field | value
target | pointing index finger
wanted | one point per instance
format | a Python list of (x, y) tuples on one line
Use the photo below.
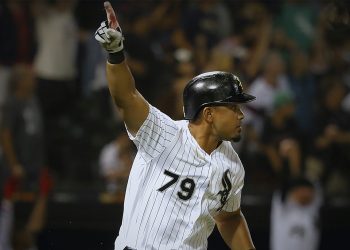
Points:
[(111, 17)]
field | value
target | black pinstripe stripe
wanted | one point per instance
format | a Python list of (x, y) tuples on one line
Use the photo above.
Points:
[(183, 234), (199, 190), (160, 128), (157, 132), (201, 236), (231, 176), (236, 179), (163, 116), (140, 137), (171, 231), (160, 172), (236, 169), (159, 151), (173, 189), (198, 149), (231, 169), (215, 183), (152, 118), (241, 175)]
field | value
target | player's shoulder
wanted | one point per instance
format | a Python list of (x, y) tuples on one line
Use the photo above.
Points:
[(155, 112), (172, 125), (231, 153), (181, 124), (227, 146)]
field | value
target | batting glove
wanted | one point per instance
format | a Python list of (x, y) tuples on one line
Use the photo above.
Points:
[(110, 39)]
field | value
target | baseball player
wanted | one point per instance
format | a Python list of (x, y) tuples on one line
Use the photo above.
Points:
[(186, 177)]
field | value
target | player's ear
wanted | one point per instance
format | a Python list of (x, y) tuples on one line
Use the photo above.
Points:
[(208, 114)]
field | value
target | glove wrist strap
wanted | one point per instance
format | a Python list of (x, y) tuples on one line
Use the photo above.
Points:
[(116, 58)]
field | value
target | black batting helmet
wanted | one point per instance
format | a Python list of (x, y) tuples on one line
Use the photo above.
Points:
[(212, 89)]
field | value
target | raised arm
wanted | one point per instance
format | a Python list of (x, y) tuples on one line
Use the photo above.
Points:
[(132, 106)]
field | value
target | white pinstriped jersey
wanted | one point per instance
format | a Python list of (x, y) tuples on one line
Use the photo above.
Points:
[(175, 188)]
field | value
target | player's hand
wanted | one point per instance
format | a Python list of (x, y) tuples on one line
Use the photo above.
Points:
[(109, 34)]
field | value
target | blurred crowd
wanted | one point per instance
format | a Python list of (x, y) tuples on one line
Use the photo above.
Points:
[(293, 55)]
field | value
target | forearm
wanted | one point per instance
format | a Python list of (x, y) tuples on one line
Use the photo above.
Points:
[(121, 83), (38, 216), (235, 233), (133, 108), (8, 150)]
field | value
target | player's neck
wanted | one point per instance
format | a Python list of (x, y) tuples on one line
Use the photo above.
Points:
[(201, 133)]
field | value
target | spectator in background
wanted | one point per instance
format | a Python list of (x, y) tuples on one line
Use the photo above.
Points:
[(281, 137), (115, 163), (172, 103), (202, 18), (255, 36), (219, 60), (22, 135), (22, 139), (302, 84), (332, 142), (336, 30), (295, 25), (94, 77), (198, 31), (141, 56), (295, 213), (250, 43), (23, 237), (16, 40), (93, 67), (55, 65), (272, 80)]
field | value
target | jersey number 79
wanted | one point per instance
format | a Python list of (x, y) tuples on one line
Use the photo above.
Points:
[(187, 185)]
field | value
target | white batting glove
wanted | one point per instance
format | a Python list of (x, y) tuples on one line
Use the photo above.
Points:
[(110, 39)]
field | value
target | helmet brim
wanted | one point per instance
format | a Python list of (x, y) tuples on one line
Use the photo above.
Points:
[(242, 98)]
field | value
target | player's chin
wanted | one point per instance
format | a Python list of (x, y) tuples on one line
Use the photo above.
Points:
[(236, 138)]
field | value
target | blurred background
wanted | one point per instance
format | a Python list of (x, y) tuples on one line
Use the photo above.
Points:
[(65, 156)]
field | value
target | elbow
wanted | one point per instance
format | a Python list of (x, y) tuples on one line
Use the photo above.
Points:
[(125, 100), (228, 217)]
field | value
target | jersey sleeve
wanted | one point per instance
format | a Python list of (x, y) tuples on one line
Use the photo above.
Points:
[(155, 134), (234, 201)]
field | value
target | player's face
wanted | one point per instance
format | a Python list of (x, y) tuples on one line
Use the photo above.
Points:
[(227, 122)]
